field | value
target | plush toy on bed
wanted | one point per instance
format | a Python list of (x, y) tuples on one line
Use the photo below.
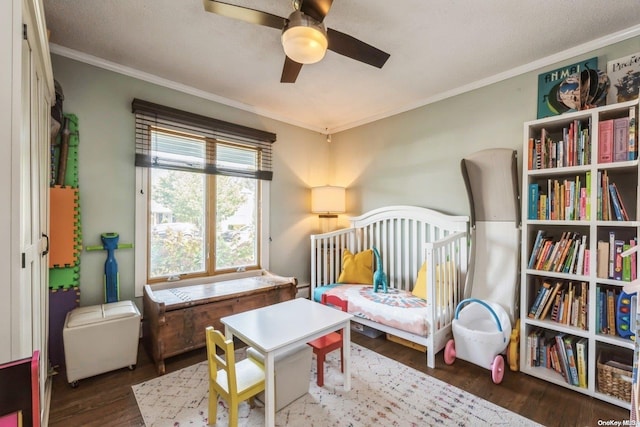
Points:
[(379, 278)]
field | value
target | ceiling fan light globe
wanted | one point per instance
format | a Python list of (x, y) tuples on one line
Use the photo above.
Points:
[(304, 40), (304, 45)]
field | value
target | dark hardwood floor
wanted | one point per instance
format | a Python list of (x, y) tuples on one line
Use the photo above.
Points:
[(107, 399)]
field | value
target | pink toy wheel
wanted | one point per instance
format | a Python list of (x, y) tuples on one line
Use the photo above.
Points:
[(497, 369), (450, 352)]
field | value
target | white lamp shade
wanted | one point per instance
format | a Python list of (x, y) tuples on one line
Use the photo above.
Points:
[(328, 199)]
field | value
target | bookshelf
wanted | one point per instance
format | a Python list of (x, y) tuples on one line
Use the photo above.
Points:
[(572, 277)]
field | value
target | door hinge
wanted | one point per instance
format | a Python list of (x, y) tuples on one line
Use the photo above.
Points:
[(24, 31), (24, 260)]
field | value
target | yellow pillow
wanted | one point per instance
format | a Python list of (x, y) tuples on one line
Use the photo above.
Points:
[(420, 288), (357, 268)]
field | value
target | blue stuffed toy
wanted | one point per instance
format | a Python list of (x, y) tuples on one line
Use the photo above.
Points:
[(379, 278)]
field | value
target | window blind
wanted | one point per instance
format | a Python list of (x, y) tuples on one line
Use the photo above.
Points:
[(168, 138)]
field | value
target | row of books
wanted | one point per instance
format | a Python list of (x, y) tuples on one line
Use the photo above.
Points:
[(611, 264), (565, 354), (611, 207), (571, 148), (568, 254), (562, 302), (617, 139), (566, 200)]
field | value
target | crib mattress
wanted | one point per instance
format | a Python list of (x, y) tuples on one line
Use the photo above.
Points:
[(395, 308)]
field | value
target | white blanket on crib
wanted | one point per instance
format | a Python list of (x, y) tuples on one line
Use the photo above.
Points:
[(396, 308)]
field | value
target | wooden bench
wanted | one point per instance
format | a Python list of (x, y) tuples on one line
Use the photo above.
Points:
[(175, 317)]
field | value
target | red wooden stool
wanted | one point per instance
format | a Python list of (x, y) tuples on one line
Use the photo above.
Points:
[(330, 342)]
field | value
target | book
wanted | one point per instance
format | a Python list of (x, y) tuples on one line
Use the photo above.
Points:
[(551, 84), (571, 359), (581, 361), (545, 299), (602, 268), (550, 300), (605, 141), (544, 290), (626, 264), (586, 269), (617, 262), (562, 357), (612, 253), (624, 74), (588, 196), (634, 273), (611, 311), (633, 145), (536, 247), (581, 251), (617, 209), (534, 191), (620, 139), (625, 215)]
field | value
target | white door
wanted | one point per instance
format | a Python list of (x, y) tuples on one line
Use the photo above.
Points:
[(33, 219)]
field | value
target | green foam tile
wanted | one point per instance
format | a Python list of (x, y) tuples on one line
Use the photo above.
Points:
[(64, 278)]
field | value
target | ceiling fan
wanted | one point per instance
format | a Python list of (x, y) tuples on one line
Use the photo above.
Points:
[(304, 37)]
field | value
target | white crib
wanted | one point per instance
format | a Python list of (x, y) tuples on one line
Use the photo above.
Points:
[(406, 237)]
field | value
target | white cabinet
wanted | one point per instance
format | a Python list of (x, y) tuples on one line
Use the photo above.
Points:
[(26, 93), (563, 202)]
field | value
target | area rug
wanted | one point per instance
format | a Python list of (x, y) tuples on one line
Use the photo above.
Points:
[(383, 393)]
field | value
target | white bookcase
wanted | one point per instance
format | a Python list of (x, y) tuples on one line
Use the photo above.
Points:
[(625, 175)]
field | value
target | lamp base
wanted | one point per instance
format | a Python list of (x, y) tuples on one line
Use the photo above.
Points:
[(328, 222)]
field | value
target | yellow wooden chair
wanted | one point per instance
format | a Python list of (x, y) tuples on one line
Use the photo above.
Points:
[(234, 382)]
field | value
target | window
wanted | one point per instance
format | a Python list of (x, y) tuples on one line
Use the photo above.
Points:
[(202, 184)]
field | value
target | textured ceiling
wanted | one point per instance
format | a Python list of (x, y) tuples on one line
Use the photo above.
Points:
[(438, 48)]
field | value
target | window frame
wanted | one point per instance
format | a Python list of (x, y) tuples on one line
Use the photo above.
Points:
[(142, 228), (150, 116)]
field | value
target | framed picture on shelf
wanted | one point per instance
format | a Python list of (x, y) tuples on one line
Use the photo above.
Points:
[(624, 74), (563, 89)]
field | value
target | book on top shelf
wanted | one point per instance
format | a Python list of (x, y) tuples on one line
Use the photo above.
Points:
[(605, 141), (557, 87), (633, 145), (624, 74), (621, 139)]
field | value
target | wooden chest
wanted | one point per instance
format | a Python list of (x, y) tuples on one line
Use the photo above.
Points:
[(175, 318)]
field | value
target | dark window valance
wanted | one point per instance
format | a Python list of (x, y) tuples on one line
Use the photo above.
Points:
[(173, 139)]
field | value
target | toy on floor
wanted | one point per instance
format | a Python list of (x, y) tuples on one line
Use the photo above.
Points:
[(111, 275), (379, 278), (482, 333)]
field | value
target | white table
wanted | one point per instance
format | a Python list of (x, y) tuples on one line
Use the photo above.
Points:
[(280, 327)]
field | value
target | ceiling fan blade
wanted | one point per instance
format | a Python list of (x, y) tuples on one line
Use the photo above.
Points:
[(317, 9), (290, 70), (353, 48), (244, 14)]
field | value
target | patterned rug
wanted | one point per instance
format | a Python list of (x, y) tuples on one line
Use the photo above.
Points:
[(383, 392)]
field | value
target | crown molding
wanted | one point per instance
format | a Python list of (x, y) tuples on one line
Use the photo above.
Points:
[(170, 84)]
